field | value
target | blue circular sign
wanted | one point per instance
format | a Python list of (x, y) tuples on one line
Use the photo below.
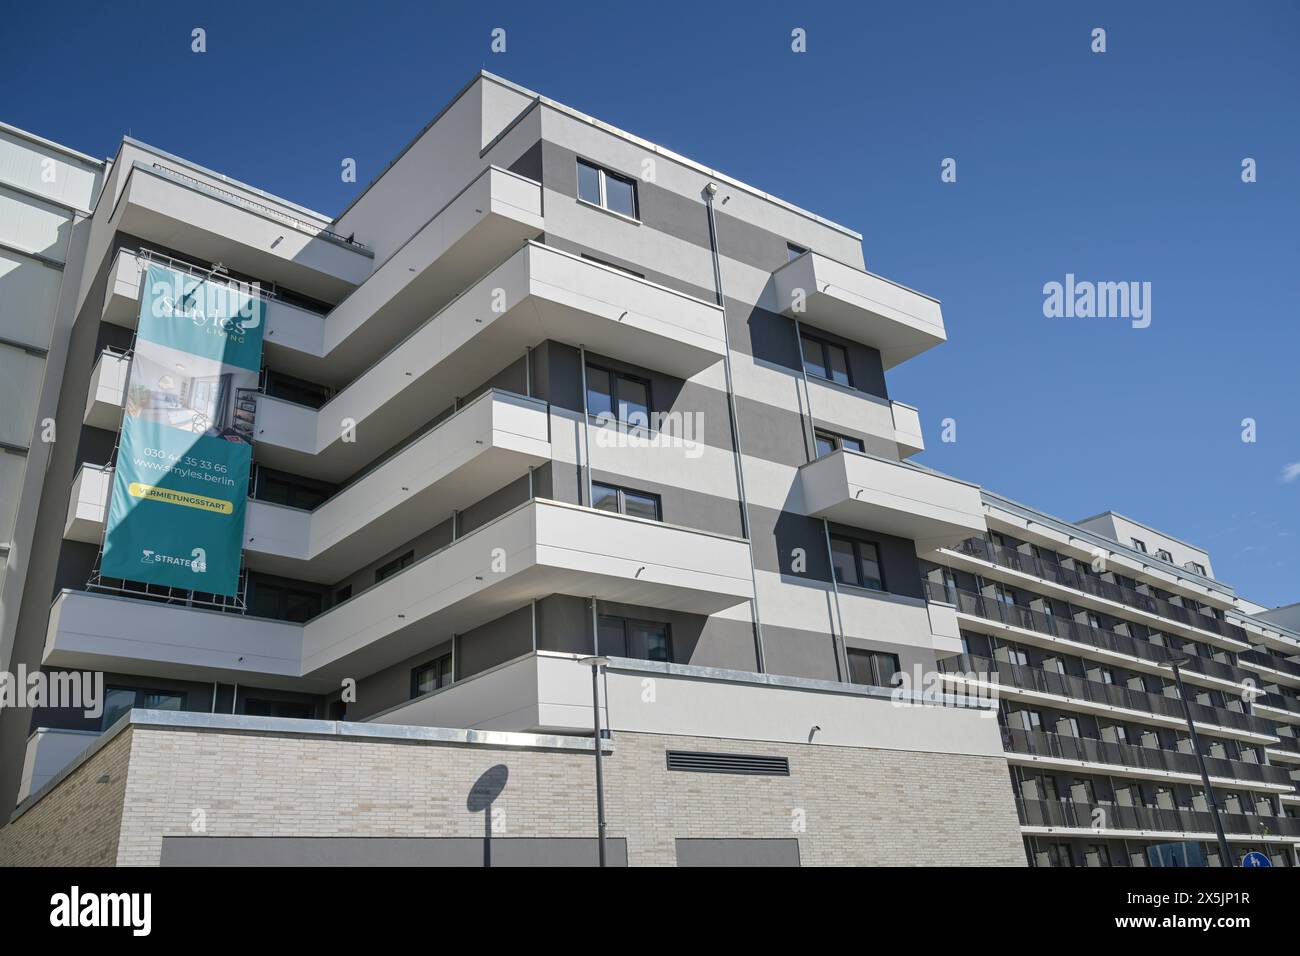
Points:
[(1255, 858)]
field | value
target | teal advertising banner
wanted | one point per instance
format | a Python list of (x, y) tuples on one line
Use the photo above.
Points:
[(180, 482)]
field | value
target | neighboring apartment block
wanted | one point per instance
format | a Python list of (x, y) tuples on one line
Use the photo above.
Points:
[(542, 391)]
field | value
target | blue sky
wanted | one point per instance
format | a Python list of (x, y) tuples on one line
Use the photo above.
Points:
[(1122, 166)]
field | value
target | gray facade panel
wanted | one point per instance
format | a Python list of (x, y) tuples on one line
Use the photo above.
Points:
[(738, 852), (388, 851)]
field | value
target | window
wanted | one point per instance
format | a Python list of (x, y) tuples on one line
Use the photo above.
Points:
[(856, 563), (392, 567), (625, 501), (342, 594), (825, 360), (260, 707), (118, 700), (283, 601), (279, 385), (615, 395), (793, 252), (642, 640), (875, 668), (1164, 555), (600, 187), (828, 442), (431, 676), (281, 488), (1194, 567), (1139, 545)]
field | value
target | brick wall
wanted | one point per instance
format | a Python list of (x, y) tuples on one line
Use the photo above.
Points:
[(845, 806), (77, 822)]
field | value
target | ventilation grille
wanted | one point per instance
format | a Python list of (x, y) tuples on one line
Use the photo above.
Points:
[(754, 764)]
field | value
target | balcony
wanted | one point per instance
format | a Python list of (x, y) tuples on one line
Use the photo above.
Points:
[(464, 458), (983, 550), (1107, 700), (838, 298), (107, 393), (538, 294), (867, 492), (539, 548), (907, 430), (1064, 633), (1033, 748), (1051, 816), (248, 231), (479, 450), (291, 328), (88, 504)]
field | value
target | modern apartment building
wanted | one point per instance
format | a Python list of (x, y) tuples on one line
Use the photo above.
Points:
[(545, 391), (1079, 623)]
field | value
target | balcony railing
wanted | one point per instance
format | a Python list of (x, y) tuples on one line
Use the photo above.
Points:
[(301, 225), (1263, 658), (1057, 574), (1063, 813), (1091, 750), (1110, 695), (1068, 629)]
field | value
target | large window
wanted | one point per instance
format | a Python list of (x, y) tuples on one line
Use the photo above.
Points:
[(625, 501), (395, 565), (642, 640), (264, 707), (823, 359), (600, 187), (620, 396), (856, 563), (875, 668), (431, 676), (118, 700), (828, 442), (281, 488), (282, 601)]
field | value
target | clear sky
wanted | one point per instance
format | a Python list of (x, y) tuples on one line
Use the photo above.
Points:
[(1114, 167)]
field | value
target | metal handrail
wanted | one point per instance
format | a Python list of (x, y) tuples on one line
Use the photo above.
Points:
[(1091, 750), (1069, 629), (1029, 564), (1111, 695), (1073, 815), (294, 222)]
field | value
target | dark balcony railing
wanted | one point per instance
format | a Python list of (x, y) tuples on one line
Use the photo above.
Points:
[(1090, 750), (968, 602), (1096, 692), (1263, 658), (1089, 584), (1289, 744), (1064, 813)]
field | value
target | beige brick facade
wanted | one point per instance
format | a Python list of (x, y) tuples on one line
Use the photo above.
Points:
[(845, 805)]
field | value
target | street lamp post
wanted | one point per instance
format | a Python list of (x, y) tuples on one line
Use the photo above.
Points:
[(596, 664), (1224, 852)]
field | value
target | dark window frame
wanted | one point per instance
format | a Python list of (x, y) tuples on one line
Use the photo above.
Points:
[(872, 662), (602, 174), (837, 441), (627, 624), (825, 345), (621, 492), (395, 566), (444, 678), (856, 545), (614, 377)]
